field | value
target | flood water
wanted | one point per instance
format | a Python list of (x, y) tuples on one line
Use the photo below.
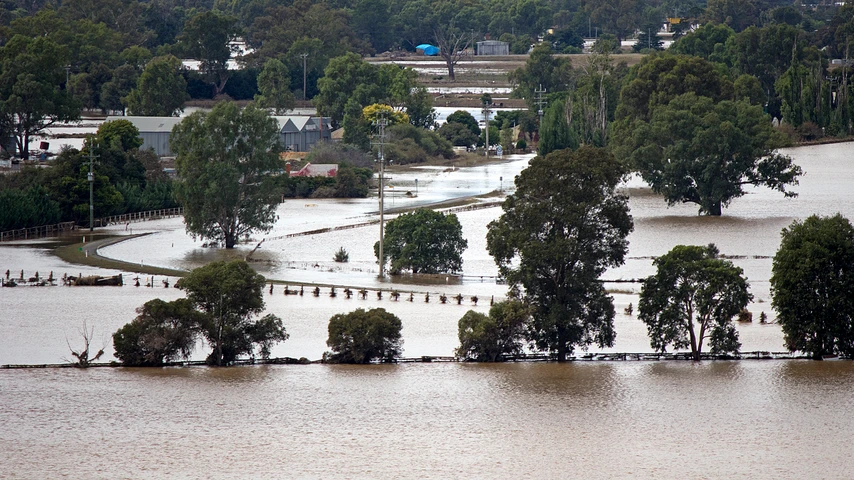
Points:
[(756, 419)]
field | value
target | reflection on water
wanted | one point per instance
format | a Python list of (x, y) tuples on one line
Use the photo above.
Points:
[(580, 420)]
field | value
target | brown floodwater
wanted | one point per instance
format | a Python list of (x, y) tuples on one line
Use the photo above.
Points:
[(747, 419)]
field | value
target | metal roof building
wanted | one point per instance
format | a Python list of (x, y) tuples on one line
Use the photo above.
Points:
[(493, 47), (155, 132), (299, 133), (296, 132)]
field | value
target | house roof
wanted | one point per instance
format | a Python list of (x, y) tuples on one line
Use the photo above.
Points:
[(150, 124)]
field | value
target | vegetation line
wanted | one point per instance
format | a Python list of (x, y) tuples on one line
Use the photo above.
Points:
[(624, 356)]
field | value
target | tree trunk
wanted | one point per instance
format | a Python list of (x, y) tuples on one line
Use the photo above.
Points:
[(450, 69), (714, 209), (561, 346)]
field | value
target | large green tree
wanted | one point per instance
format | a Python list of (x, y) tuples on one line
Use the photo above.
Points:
[(207, 37), (229, 295), (561, 229), (694, 149), (489, 338), (31, 97), (812, 286), (160, 89), (274, 87), (162, 332), (424, 241), (693, 296), (364, 336), (225, 161)]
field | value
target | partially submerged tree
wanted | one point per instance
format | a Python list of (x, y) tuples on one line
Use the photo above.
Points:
[(364, 336), (696, 150), (424, 241), (229, 295), (225, 161), (562, 228), (83, 356), (162, 332), (693, 296), (488, 338), (223, 299), (812, 286)]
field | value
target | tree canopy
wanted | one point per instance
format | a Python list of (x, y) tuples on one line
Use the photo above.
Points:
[(228, 296), (560, 230), (424, 241), (274, 88), (812, 286), (694, 149), (160, 89), (226, 160), (364, 336), (693, 296), (162, 332), (31, 100), (488, 338)]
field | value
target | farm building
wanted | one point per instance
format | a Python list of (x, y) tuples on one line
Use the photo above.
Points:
[(493, 47), (297, 133), (155, 132)]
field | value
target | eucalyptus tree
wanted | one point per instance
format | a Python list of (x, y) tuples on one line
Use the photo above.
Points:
[(225, 161), (812, 286), (561, 229), (160, 89), (693, 296), (31, 97)]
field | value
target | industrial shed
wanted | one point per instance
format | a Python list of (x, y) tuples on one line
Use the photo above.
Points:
[(493, 47), (297, 133), (155, 132)]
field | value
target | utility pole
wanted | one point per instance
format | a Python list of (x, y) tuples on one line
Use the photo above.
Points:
[(91, 178), (304, 56), (486, 112), (540, 102), (380, 124)]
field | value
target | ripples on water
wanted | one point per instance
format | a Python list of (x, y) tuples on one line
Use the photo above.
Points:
[(749, 419)]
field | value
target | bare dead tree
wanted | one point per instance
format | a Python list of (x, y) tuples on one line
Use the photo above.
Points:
[(452, 43), (83, 359)]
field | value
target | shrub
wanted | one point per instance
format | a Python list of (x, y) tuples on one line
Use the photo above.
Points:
[(363, 337)]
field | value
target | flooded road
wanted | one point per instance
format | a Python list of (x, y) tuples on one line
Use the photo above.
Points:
[(748, 419)]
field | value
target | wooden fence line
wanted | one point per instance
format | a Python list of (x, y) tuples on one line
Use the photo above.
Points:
[(60, 228), (529, 357)]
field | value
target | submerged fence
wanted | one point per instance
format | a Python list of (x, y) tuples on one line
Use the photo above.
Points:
[(65, 227)]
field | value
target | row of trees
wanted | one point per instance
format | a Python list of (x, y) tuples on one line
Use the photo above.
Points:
[(125, 180), (552, 254), (695, 131)]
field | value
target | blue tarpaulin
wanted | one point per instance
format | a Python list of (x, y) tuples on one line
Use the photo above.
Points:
[(428, 49)]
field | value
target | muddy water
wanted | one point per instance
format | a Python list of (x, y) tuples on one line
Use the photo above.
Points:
[(727, 420), (592, 420)]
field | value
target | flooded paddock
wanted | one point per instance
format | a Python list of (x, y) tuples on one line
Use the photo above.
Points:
[(722, 419)]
